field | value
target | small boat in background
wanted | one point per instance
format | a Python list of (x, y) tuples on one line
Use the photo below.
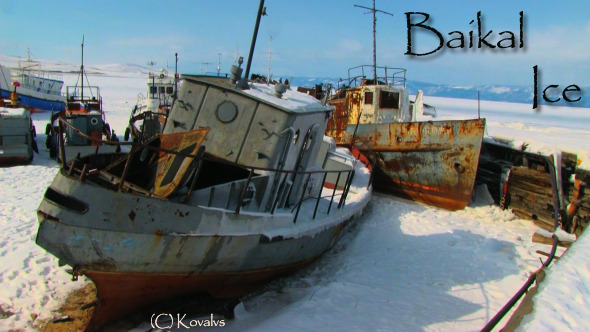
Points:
[(84, 118), (17, 134), (149, 113), (37, 90)]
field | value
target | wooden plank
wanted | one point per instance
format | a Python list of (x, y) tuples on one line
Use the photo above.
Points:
[(536, 212), (538, 238), (530, 180), (542, 222)]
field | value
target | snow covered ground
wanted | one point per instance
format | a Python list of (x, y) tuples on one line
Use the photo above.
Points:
[(403, 266)]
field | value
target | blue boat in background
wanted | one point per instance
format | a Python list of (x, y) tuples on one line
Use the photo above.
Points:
[(36, 92)]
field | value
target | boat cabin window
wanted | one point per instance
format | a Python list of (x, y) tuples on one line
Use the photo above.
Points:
[(169, 90), (389, 99), (368, 97), (162, 89), (153, 89)]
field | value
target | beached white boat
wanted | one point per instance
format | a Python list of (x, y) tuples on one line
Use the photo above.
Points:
[(269, 196), (241, 186)]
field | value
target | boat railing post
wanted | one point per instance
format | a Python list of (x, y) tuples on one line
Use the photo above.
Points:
[(404, 78), (346, 188), (371, 176), (199, 160), (127, 163), (334, 192), (301, 199), (211, 194), (278, 196), (349, 185), (317, 202), (244, 191), (83, 173), (72, 165), (231, 189), (62, 146)]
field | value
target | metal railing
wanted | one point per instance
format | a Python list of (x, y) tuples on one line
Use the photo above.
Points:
[(385, 75), (199, 157)]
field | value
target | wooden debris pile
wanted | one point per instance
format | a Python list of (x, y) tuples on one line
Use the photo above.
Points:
[(520, 181)]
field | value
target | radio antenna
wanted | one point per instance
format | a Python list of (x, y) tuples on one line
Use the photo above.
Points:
[(270, 53), (374, 11)]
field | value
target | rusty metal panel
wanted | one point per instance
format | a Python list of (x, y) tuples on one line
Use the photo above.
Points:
[(338, 122), (172, 167), (434, 162)]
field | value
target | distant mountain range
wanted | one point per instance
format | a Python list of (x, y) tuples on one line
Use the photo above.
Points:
[(504, 93)]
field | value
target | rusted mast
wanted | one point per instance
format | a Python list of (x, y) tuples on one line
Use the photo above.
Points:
[(374, 11)]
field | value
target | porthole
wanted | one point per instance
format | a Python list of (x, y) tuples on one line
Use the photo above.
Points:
[(94, 121), (227, 112)]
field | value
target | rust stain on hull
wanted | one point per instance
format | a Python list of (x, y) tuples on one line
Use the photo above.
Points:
[(434, 162), (172, 167), (120, 294), (11, 161)]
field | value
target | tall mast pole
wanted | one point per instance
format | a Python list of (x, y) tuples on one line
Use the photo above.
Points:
[(374, 11), (269, 57), (243, 84), (175, 75), (82, 71)]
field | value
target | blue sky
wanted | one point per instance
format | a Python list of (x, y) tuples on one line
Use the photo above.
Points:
[(309, 38)]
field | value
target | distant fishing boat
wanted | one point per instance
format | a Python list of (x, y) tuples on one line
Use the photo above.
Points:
[(84, 118), (37, 91), (149, 114), (240, 187)]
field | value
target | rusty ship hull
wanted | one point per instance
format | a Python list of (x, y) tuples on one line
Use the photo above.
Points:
[(433, 162)]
